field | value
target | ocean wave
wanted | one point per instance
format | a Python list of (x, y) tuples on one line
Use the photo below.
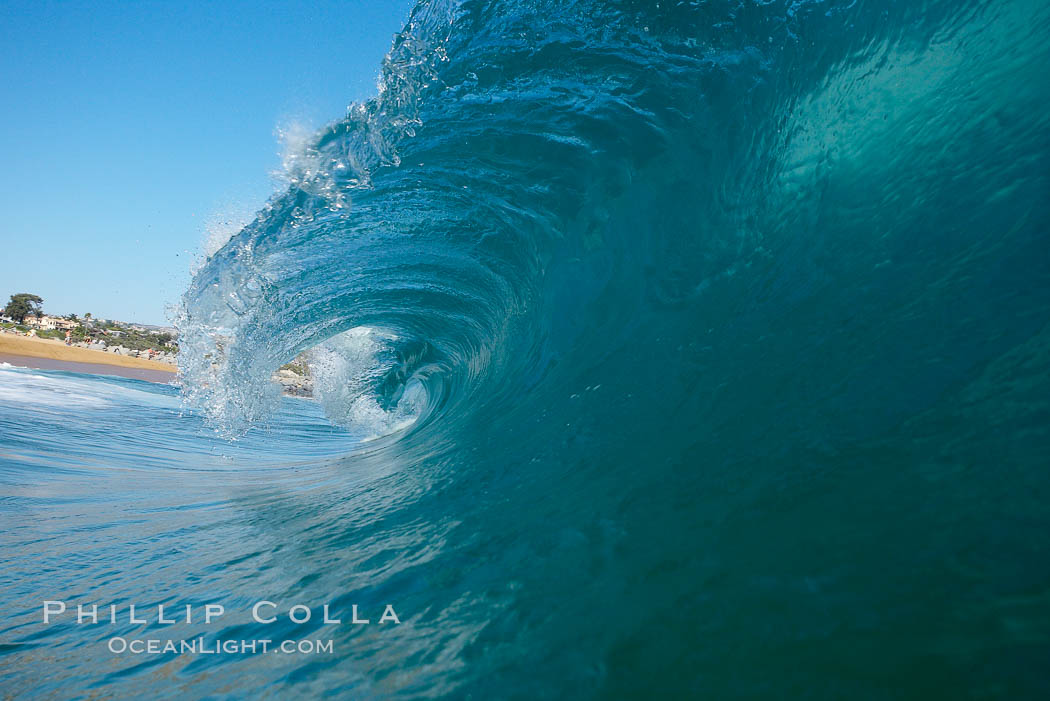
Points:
[(696, 338), (535, 181)]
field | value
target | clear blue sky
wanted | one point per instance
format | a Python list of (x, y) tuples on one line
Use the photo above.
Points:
[(126, 127)]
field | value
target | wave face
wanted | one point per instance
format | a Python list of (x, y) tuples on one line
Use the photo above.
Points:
[(711, 338)]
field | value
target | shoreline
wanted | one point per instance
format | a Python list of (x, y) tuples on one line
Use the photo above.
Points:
[(45, 354), (30, 362)]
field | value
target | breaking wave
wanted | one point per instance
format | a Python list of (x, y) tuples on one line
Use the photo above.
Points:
[(638, 283)]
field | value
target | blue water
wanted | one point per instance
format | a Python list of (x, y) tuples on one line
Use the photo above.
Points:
[(662, 350)]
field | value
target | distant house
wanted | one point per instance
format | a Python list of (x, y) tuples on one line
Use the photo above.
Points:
[(37, 322), (49, 323)]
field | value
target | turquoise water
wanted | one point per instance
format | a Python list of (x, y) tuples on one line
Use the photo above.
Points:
[(674, 350)]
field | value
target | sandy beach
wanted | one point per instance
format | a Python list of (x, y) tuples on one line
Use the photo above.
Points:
[(56, 355)]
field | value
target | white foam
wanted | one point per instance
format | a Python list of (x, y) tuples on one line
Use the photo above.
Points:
[(26, 387), (345, 369)]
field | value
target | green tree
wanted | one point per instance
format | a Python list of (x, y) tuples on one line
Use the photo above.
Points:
[(24, 304)]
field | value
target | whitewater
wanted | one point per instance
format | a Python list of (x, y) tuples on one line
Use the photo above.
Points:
[(661, 350)]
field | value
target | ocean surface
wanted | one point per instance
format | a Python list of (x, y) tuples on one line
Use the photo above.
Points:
[(661, 349)]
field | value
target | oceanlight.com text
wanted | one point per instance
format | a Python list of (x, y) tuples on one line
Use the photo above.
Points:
[(200, 646)]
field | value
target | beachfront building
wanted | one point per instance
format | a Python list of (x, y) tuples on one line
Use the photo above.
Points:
[(49, 323), (38, 322)]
